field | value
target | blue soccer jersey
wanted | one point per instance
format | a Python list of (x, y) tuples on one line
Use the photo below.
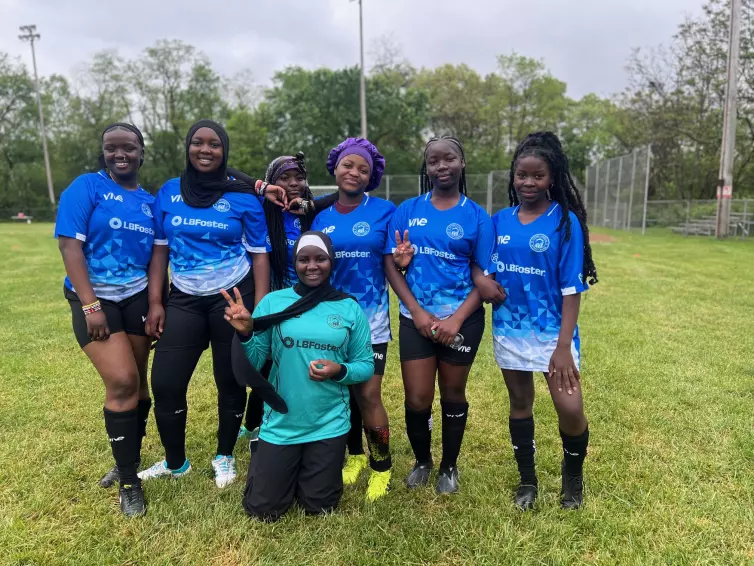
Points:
[(117, 228), (209, 246), (292, 226), (445, 242), (359, 241), (537, 267)]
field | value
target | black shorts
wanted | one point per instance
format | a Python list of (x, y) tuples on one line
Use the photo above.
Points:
[(414, 346), (380, 358), (311, 473), (128, 315)]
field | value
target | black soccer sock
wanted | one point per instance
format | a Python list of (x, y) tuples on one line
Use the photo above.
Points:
[(378, 440), (171, 424), (419, 431), (574, 451), (230, 414), (123, 431), (522, 438), (355, 446), (143, 408), (254, 411), (454, 416)]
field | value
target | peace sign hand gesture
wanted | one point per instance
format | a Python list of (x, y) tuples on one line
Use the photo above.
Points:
[(236, 313), (404, 251)]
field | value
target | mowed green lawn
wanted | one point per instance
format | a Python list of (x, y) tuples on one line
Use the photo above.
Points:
[(668, 342)]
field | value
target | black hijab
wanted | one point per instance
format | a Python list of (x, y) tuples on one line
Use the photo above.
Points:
[(202, 190), (248, 375)]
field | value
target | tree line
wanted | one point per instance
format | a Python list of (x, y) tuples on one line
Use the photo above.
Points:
[(674, 101)]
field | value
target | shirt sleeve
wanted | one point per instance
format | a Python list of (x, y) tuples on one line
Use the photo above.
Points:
[(254, 227), (258, 347), (359, 362), (493, 259), (160, 239), (571, 260), (396, 223), (77, 203), (485, 241)]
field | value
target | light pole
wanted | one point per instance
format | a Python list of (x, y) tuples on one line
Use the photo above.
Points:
[(725, 183), (29, 34), (363, 88)]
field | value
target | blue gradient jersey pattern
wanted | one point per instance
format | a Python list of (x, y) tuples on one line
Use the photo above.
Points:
[(445, 242), (292, 226), (209, 247), (359, 240), (537, 267), (117, 228)]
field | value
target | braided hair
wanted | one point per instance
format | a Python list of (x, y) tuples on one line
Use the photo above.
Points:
[(426, 182), (547, 146)]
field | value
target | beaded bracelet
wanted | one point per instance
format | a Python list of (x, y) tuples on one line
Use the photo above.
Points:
[(92, 308)]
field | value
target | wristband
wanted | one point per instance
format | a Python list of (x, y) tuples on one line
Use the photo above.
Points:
[(305, 204), (263, 188), (91, 308)]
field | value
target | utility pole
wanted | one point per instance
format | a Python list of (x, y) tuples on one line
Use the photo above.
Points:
[(725, 183), (363, 92), (29, 34)]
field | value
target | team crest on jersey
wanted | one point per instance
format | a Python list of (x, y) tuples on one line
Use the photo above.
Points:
[(297, 224), (539, 243), (335, 321), (361, 229), (494, 258), (454, 231), (146, 210), (221, 205), (269, 242)]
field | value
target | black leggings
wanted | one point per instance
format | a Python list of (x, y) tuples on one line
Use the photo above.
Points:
[(191, 325)]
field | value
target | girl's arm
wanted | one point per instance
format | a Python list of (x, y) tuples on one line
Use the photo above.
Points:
[(422, 319), (562, 366), (260, 265), (157, 276)]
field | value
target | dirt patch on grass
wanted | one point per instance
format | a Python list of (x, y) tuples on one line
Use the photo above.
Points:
[(601, 239)]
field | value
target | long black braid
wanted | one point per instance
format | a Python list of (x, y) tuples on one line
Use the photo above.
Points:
[(547, 146), (276, 224), (426, 182)]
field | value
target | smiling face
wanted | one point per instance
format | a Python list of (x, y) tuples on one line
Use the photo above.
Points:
[(205, 150), (312, 266), (532, 179), (444, 165), (352, 175), (123, 153)]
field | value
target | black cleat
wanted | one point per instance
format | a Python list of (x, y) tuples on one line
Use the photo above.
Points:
[(110, 478), (572, 490), (419, 476), (526, 495), (447, 481), (132, 500)]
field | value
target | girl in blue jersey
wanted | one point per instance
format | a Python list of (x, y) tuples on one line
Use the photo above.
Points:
[(212, 226), (319, 340), (442, 318), (105, 229), (543, 260), (358, 226)]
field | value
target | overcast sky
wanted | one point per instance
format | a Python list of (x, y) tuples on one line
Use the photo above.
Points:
[(583, 42)]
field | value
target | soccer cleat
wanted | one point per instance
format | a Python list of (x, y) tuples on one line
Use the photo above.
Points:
[(419, 476), (243, 432), (132, 500), (379, 485), (352, 469), (110, 478), (447, 480), (160, 469), (225, 470), (526, 495), (572, 489)]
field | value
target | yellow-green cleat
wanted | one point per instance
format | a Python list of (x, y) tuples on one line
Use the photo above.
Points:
[(352, 469), (379, 485)]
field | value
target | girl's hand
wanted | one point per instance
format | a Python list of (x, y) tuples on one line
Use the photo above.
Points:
[(423, 322), (276, 195), (237, 314), (322, 370), (155, 321), (404, 251), (445, 331), (297, 206), (96, 326), (563, 369), (490, 290)]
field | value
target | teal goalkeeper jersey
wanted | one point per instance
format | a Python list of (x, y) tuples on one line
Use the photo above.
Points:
[(337, 331)]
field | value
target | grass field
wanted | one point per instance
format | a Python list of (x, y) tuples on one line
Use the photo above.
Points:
[(668, 342)]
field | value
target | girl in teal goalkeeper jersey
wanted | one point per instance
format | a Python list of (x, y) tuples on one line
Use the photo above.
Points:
[(320, 344)]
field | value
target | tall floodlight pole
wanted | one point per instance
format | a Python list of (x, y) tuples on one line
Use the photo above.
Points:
[(725, 183), (363, 88), (30, 34)]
